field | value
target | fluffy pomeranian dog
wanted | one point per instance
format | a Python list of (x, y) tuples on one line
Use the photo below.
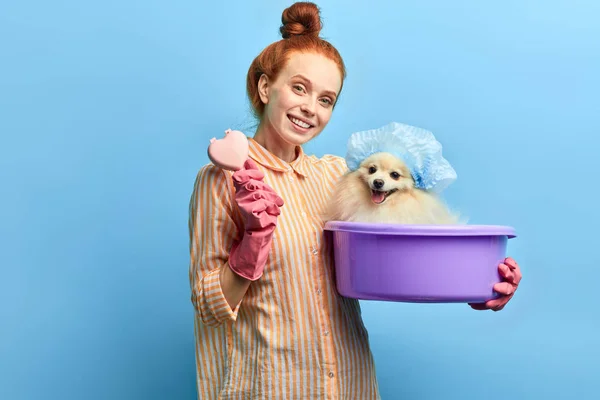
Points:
[(382, 190)]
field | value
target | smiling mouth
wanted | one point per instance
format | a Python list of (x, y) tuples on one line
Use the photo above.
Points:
[(379, 196), (299, 123)]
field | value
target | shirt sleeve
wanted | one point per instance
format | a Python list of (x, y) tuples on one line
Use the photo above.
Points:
[(336, 164), (212, 230)]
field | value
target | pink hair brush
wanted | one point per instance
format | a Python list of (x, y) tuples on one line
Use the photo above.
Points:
[(229, 153)]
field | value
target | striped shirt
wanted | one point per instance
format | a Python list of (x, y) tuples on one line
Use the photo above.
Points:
[(292, 336)]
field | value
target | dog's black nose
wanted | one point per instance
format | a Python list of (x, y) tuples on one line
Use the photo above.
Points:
[(378, 183)]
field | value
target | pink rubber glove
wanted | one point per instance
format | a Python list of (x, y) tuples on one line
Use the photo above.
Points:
[(511, 273), (259, 205)]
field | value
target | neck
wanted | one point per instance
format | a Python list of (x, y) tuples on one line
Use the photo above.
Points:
[(268, 138)]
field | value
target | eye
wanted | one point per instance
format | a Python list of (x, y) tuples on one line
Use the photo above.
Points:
[(372, 170), (395, 175), (298, 88), (327, 101)]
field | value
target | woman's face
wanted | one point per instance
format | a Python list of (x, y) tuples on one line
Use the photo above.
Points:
[(299, 103)]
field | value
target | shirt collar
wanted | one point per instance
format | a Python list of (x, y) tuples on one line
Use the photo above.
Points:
[(267, 159)]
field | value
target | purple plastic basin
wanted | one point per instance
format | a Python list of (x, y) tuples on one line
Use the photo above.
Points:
[(418, 263)]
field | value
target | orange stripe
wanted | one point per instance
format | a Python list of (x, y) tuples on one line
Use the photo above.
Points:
[(303, 332)]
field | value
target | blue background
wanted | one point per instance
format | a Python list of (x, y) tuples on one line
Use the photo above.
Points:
[(106, 109)]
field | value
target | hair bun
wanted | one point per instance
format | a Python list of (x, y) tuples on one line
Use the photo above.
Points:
[(301, 18)]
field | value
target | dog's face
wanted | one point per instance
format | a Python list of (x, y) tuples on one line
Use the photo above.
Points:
[(385, 174)]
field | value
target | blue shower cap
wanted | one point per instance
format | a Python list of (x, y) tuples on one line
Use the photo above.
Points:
[(417, 147)]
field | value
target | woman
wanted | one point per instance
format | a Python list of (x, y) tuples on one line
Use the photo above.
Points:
[(269, 322)]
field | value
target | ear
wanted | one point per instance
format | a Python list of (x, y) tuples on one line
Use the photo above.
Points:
[(263, 88)]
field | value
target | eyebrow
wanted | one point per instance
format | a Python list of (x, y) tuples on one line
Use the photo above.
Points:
[(330, 92)]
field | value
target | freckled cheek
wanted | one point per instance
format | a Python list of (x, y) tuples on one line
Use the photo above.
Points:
[(324, 117), (284, 109), (280, 102)]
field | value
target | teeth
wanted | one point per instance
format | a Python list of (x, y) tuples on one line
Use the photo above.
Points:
[(300, 123)]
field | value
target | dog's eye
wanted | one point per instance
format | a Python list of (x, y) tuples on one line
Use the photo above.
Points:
[(372, 170), (395, 175)]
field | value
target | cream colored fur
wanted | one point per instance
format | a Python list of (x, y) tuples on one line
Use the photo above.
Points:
[(352, 199)]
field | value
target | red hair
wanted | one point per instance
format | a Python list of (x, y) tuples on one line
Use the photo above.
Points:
[(301, 25)]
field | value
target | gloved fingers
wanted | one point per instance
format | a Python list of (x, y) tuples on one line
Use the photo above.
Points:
[(494, 304), (260, 215), (517, 276), (497, 304), (242, 176), (249, 164), (506, 272), (251, 180), (264, 206), (516, 270), (504, 288), (273, 209), (262, 223), (259, 186), (510, 262), (272, 198), (250, 197), (256, 207), (253, 185)]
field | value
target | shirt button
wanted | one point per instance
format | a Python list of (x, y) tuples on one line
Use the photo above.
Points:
[(330, 374), (326, 333), (303, 214), (318, 291), (291, 178)]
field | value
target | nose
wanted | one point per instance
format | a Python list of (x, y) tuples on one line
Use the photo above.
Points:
[(378, 183), (308, 107)]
